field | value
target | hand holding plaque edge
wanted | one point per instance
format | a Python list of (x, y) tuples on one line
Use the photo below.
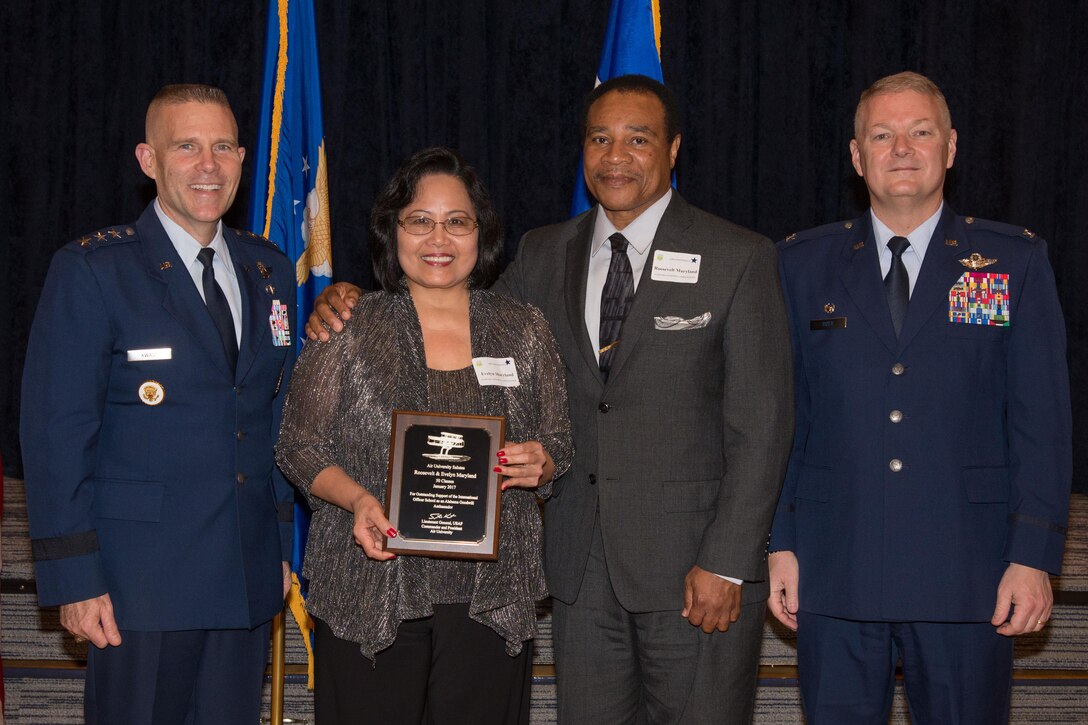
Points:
[(371, 526)]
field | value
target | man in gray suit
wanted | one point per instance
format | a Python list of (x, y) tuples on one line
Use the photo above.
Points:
[(673, 329)]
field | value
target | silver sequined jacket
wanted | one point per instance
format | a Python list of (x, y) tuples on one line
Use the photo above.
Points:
[(338, 412)]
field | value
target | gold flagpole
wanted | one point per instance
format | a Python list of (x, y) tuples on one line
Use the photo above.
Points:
[(279, 653)]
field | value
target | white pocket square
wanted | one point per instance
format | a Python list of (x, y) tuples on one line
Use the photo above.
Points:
[(679, 323)]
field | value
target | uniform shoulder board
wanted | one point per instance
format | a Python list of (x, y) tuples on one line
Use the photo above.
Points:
[(252, 238), (1007, 230), (106, 237), (834, 229)]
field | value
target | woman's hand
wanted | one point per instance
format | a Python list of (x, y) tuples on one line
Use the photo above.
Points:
[(371, 527), (525, 465)]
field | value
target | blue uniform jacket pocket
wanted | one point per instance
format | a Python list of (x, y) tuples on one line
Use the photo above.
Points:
[(128, 500), (986, 485), (814, 483)]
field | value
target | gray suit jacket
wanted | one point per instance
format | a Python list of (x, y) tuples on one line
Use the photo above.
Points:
[(683, 450)]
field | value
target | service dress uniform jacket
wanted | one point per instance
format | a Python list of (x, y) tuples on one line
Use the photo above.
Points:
[(923, 465), (149, 465)]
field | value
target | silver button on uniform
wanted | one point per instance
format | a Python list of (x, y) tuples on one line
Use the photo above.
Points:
[(898, 369), (895, 416), (896, 465)]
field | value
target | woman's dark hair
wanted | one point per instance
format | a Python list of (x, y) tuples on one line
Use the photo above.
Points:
[(399, 193)]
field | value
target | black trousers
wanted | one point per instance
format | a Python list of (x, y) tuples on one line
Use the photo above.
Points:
[(440, 670)]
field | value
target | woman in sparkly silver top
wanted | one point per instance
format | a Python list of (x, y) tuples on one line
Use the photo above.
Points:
[(403, 638)]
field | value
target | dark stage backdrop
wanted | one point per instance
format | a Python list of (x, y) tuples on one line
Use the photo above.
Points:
[(767, 89)]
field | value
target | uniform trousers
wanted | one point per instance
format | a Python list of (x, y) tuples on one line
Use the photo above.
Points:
[(952, 672), (614, 666), (193, 677), (441, 670)]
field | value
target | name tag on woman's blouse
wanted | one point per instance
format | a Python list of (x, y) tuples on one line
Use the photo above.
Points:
[(499, 371)]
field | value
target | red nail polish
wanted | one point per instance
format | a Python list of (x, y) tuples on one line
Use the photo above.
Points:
[(503, 461), (504, 487), (500, 454), (391, 533), (497, 469)]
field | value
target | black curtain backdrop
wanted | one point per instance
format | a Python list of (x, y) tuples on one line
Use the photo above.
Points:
[(767, 90)]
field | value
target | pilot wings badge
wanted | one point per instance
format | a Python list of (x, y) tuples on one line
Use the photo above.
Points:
[(977, 261)]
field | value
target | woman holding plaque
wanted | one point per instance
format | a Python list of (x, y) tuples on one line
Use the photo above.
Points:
[(403, 638)]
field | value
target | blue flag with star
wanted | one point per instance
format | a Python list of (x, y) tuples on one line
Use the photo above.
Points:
[(290, 203), (632, 44)]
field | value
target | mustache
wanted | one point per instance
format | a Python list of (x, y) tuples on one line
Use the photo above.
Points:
[(601, 174)]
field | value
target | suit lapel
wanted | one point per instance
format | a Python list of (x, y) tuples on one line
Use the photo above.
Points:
[(576, 276), (861, 277), (256, 301), (180, 296), (940, 270), (670, 235)]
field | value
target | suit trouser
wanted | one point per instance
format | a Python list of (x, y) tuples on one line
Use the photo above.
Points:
[(952, 672), (649, 668), (194, 677)]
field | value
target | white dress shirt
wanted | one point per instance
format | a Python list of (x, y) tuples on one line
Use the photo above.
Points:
[(188, 248), (914, 255), (640, 235)]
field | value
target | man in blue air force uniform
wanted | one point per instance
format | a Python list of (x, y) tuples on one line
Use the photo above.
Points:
[(151, 401), (927, 491)]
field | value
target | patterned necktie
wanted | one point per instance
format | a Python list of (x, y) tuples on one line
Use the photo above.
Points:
[(218, 307), (619, 289), (897, 283)]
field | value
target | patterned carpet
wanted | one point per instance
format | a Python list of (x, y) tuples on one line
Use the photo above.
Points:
[(44, 679)]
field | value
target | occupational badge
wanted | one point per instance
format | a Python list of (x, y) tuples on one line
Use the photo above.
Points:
[(281, 327), (980, 298), (151, 392), (263, 270), (976, 261)]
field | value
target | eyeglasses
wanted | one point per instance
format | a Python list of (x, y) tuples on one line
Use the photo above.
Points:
[(458, 226)]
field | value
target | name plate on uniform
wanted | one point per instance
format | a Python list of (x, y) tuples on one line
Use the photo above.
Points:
[(830, 323), (442, 493)]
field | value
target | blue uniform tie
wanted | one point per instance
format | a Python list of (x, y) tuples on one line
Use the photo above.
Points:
[(218, 307), (897, 283), (619, 289)]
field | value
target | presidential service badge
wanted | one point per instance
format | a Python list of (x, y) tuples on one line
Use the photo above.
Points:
[(151, 392)]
